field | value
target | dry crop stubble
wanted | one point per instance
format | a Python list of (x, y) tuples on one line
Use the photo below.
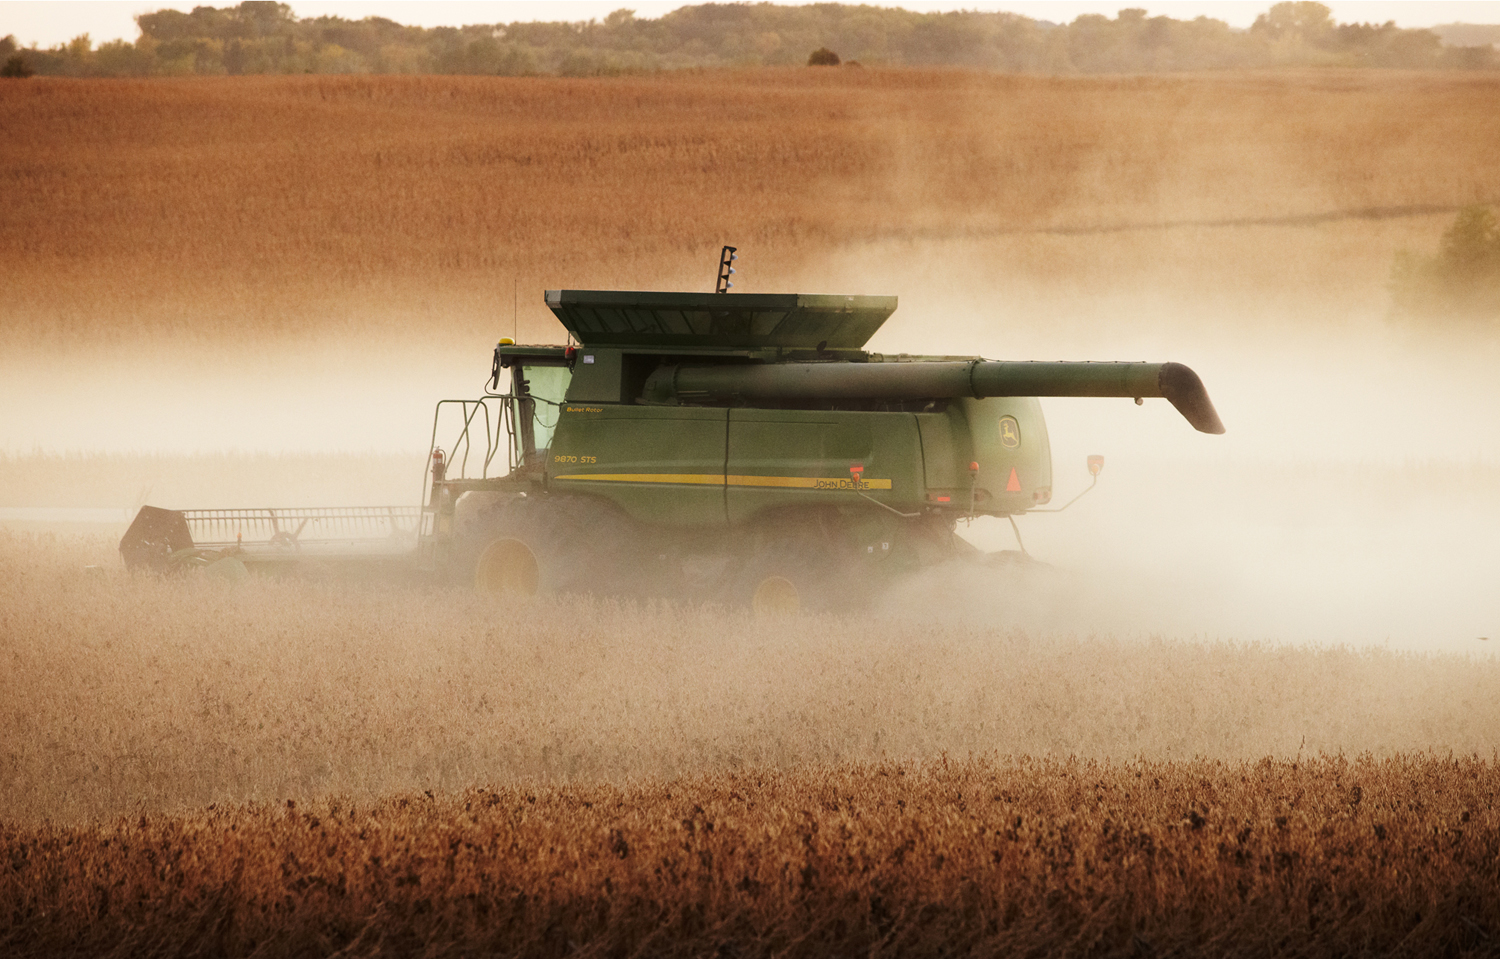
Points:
[(1314, 857)]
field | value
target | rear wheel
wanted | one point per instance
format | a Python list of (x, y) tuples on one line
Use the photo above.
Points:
[(791, 577), (775, 595)]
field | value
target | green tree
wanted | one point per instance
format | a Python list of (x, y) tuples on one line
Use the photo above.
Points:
[(16, 68), (1461, 282), (1309, 21), (116, 58)]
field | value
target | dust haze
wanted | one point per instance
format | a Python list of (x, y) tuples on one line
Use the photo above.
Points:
[(1353, 500), (1321, 577)]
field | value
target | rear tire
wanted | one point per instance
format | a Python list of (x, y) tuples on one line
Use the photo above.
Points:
[(775, 595), (790, 578)]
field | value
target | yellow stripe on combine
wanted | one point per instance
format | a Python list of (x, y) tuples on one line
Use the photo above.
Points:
[(693, 479), (716, 479)]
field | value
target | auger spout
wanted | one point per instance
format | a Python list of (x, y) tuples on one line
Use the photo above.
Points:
[(1174, 382), (947, 379)]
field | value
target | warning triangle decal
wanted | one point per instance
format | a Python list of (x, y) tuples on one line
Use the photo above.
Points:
[(1013, 485)]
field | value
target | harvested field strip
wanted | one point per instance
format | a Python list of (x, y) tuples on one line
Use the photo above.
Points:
[(985, 857), (126, 695)]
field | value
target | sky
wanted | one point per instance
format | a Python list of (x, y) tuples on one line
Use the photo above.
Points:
[(49, 23)]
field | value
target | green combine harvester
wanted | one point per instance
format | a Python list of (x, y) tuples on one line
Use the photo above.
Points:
[(740, 448)]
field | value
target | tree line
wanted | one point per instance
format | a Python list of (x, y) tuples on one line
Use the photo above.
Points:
[(262, 37)]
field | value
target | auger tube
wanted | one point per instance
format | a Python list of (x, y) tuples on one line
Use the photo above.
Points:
[(948, 379)]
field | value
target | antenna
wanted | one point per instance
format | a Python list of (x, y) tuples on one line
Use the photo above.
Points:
[(727, 256), (515, 304)]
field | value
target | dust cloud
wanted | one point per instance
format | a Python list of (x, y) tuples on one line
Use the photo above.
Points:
[(317, 398), (1354, 499)]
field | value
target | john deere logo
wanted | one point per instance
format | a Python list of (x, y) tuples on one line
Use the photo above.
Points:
[(1010, 433)]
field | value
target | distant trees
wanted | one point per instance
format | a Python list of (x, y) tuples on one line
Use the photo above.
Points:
[(12, 64), (823, 57), (1307, 31), (258, 36), (1309, 21)]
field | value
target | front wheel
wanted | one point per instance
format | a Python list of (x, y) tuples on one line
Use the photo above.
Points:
[(507, 567), (545, 546)]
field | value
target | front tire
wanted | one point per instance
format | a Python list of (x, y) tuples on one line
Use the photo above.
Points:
[(507, 567), (544, 545)]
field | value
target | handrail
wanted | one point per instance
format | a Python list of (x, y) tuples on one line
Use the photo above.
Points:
[(505, 421), (463, 438)]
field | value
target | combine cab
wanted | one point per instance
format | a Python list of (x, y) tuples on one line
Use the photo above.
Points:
[(736, 447)]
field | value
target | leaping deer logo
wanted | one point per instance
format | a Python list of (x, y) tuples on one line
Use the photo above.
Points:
[(1010, 433)]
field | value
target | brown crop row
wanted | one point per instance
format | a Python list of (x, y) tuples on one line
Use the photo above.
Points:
[(1323, 857), (227, 209)]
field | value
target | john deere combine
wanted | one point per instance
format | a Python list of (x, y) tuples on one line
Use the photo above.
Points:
[(737, 447)]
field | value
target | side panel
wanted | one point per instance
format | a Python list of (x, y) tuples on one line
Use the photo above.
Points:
[(1008, 437), (792, 458), (597, 377), (661, 464), (946, 451)]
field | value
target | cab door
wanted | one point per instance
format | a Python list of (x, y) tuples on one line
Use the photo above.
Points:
[(538, 389)]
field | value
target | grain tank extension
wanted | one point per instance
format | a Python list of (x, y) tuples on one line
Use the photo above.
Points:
[(737, 447)]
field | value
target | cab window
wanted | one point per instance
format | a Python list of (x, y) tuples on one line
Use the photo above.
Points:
[(539, 390)]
